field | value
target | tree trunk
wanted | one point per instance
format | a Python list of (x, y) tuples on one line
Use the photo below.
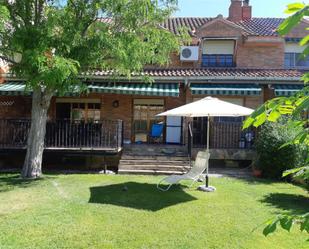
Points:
[(32, 167)]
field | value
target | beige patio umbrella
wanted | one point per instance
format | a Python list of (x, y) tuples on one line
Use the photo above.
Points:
[(208, 107)]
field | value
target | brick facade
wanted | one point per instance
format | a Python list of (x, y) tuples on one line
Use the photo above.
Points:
[(21, 107), (262, 49), (251, 51), (15, 107), (260, 55), (123, 112)]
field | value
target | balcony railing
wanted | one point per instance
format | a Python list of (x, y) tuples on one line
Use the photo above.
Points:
[(64, 134), (226, 135)]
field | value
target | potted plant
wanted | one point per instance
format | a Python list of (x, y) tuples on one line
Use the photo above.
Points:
[(256, 171)]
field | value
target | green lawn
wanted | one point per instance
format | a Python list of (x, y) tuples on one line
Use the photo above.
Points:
[(93, 211)]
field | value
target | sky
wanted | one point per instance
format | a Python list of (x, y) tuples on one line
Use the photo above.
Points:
[(211, 8)]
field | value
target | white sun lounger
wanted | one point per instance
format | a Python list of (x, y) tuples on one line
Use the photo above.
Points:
[(194, 174)]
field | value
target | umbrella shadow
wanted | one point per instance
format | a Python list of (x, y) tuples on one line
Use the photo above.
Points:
[(141, 196)]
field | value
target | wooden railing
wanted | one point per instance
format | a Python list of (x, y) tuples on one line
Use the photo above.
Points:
[(14, 133), (64, 134), (228, 135)]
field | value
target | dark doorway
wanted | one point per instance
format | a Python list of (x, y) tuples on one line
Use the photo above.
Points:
[(63, 110), (200, 131)]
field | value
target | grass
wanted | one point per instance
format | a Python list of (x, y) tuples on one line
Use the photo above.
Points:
[(94, 211)]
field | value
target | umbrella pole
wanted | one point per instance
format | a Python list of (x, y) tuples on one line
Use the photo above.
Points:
[(206, 187), (207, 149)]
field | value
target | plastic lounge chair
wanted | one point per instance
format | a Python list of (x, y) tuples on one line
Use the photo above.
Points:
[(194, 174), (156, 131)]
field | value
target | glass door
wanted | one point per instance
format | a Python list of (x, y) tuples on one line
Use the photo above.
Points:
[(145, 111), (78, 110)]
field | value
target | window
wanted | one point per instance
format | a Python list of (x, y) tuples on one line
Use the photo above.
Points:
[(78, 109), (94, 111), (145, 111), (292, 56), (88, 112), (295, 60), (218, 53), (217, 60)]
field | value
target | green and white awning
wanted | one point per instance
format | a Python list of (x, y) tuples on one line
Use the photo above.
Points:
[(13, 88), (287, 89), (155, 89), (225, 89), (146, 89), (17, 88)]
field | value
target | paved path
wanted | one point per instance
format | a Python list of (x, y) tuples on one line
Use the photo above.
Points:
[(230, 172)]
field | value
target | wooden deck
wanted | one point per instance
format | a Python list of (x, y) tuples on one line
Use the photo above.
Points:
[(102, 136), (65, 135)]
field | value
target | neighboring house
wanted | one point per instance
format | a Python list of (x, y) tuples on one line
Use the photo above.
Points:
[(240, 59)]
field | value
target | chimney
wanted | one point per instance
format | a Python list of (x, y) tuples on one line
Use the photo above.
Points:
[(246, 10), (239, 10), (235, 11)]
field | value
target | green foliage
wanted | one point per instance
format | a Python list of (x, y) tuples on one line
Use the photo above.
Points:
[(57, 40), (286, 222), (300, 173), (273, 109), (294, 106), (4, 16), (50, 43), (299, 11), (275, 153)]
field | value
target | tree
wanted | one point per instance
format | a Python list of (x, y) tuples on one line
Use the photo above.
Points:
[(292, 107), (48, 43)]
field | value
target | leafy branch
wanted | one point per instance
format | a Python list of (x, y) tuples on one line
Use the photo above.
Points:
[(286, 222), (292, 107)]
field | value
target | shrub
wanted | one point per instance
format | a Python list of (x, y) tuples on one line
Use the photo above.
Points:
[(274, 159)]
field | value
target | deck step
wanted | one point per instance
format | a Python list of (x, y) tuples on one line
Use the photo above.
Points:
[(156, 167), (151, 162), (154, 157), (154, 160), (148, 172)]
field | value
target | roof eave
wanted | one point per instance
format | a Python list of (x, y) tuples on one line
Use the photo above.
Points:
[(201, 78), (177, 78)]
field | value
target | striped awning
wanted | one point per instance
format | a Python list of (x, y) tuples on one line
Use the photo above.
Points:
[(155, 89), (225, 89), (13, 88), (146, 89), (287, 89)]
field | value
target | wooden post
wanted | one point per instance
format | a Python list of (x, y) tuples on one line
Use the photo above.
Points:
[(105, 165)]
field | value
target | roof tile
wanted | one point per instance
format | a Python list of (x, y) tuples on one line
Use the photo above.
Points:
[(260, 26), (214, 72), (255, 26)]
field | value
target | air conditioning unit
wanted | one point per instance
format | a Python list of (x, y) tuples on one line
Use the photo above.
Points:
[(189, 53)]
